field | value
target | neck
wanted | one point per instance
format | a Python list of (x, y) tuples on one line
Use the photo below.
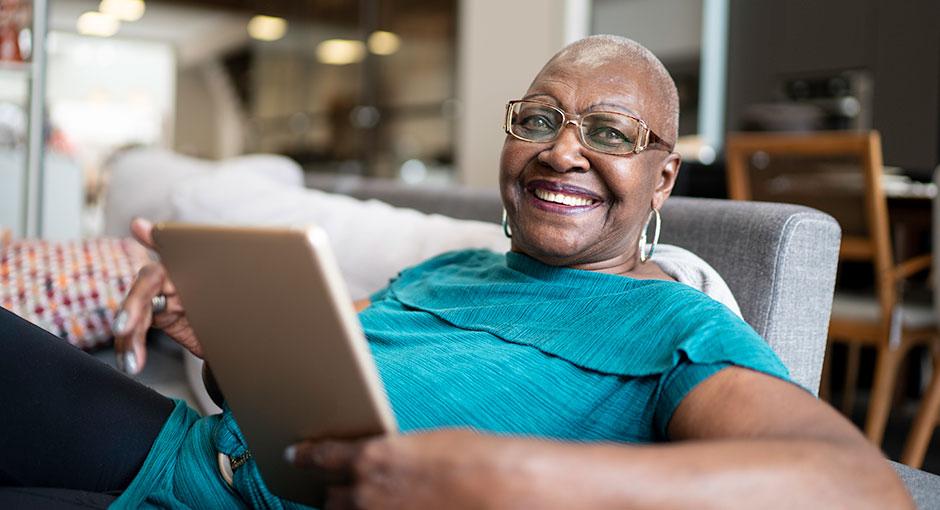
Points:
[(626, 264)]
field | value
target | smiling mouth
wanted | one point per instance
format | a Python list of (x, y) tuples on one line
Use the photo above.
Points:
[(562, 195)]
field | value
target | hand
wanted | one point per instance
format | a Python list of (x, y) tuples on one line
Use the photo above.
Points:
[(448, 468), (136, 315)]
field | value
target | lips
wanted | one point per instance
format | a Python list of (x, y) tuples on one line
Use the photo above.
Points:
[(558, 195)]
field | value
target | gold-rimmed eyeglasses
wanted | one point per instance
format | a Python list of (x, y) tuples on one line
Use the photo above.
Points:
[(607, 132)]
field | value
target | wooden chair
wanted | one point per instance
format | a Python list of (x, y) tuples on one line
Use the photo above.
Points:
[(841, 173), (926, 420), (929, 411)]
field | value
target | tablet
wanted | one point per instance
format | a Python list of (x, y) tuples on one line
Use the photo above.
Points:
[(279, 330)]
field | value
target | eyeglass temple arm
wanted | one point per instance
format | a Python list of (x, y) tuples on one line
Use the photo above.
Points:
[(653, 140)]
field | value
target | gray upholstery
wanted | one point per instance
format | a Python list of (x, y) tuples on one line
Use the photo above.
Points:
[(779, 260), (923, 486)]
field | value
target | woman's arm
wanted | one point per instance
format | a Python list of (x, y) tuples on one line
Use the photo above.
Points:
[(742, 440)]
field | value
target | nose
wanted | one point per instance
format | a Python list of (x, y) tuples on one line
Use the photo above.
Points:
[(566, 153)]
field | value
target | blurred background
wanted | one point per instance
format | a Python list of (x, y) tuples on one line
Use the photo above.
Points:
[(414, 89)]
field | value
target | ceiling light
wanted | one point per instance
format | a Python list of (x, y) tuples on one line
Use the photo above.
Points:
[(124, 10), (97, 24), (267, 28), (340, 51), (384, 43)]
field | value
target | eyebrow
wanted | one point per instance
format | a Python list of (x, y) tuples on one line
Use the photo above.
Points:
[(590, 108), (615, 106), (540, 94)]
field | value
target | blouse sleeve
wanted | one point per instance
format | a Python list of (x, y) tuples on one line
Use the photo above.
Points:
[(674, 385)]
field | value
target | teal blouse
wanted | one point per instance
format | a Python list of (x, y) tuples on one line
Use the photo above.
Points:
[(503, 344)]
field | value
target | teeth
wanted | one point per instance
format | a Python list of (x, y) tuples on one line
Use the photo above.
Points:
[(560, 198)]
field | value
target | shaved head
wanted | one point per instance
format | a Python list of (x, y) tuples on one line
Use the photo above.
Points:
[(597, 51)]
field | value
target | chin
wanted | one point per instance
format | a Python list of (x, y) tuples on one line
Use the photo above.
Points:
[(550, 248)]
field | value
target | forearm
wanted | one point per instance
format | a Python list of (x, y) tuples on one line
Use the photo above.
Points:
[(763, 474)]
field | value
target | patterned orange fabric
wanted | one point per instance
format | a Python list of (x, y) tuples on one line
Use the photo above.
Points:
[(73, 288)]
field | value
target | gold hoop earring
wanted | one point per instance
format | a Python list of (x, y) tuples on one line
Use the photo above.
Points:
[(642, 245), (506, 230)]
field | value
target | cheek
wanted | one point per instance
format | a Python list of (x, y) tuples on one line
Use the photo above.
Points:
[(512, 162), (633, 186), (512, 159)]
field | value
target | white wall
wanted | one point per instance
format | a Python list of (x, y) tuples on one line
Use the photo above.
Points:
[(500, 46), (671, 29), (105, 93)]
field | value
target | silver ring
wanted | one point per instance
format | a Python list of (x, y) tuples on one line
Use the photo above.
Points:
[(158, 303)]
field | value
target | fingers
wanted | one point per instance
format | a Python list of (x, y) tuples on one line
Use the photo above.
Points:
[(134, 318), (340, 498), (142, 231), (337, 459), (331, 455)]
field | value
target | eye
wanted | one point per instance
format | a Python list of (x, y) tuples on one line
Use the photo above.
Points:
[(609, 137), (536, 122), (610, 131)]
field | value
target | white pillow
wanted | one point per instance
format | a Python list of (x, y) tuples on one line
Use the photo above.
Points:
[(372, 240), (139, 184), (141, 180)]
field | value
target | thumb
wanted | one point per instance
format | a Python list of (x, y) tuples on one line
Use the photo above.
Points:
[(142, 230)]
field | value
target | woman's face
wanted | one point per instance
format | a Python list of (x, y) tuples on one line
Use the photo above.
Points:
[(613, 194)]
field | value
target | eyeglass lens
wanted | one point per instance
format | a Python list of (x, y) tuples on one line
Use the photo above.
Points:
[(604, 131)]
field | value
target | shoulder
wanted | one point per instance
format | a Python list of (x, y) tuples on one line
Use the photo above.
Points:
[(695, 321), (687, 326)]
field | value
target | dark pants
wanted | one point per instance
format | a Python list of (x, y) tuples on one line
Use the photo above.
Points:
[(66, 419)]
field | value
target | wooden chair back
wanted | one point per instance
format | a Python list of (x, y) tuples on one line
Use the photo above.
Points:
[(839, 173)]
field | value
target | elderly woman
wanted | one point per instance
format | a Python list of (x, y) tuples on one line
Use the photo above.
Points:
[(571, 372)]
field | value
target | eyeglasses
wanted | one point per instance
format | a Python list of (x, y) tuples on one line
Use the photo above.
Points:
[(607, 132)]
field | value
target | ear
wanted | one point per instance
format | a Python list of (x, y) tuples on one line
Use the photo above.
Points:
[(666, 176)]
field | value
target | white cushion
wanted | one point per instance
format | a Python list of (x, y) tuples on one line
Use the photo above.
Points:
[(140, 181)]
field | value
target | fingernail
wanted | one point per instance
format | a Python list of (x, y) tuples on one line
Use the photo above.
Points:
[(290, 454), (119, 324), (130, 363)]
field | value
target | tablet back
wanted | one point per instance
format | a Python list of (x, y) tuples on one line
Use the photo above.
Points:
[(279, 330)]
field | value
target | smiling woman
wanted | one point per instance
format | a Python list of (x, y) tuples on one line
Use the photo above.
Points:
[(588, 377), (612, 157)]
